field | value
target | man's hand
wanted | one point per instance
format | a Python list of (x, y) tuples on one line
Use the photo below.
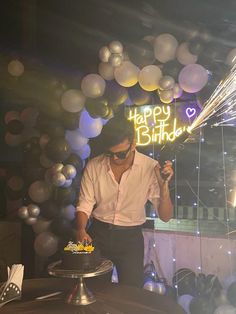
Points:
[(166, 171), (82, 236)]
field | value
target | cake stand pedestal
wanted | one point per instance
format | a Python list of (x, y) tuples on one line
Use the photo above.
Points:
[(80, 294)]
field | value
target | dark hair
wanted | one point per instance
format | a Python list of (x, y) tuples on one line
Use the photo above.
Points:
[(116, 131)]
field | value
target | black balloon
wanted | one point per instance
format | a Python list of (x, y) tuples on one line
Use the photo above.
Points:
[(172, 68), (70, 120), (58, 149), (54, 129), (51, 108), (196, 46), (32, 151), (14, 195), (15, 127), (33, 173), (115, 93), (185, 281), (138, 96), (61, 227), (76, 161), (64, 196), (97, 108), (49, 210), (141, 53)]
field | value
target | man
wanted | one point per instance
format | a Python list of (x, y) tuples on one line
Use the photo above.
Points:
[(114, 190)]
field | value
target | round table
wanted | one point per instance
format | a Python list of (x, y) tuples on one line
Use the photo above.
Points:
[(111, 299)]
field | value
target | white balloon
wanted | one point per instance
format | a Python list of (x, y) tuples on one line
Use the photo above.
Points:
[(149, 77), (68, 212), (106, 70), (11, 115), (88, 126), (76, 139), (73, 100), (165, 46), (184, 56), (15, 68), (126, 74), (93, 85), (193, 77)]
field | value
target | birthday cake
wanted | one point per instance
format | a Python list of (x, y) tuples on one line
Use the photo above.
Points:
[(81, 257)]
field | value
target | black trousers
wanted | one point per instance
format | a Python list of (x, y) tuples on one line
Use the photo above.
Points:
[(124, 247)]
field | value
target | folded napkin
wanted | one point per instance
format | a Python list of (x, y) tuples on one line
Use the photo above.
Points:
[(11, 290)]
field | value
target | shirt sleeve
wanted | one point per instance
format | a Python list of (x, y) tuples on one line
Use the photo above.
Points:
[(86, 200), (154, 190)]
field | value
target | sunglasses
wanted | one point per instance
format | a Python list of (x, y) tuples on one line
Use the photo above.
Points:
[(120, 155)]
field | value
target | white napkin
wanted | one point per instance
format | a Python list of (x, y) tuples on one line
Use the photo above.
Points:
[(11, 290)]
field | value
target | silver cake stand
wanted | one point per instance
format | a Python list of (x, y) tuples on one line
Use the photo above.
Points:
[(80, 294)]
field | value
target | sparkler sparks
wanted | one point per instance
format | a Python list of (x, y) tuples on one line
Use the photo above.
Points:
[(221, 103)]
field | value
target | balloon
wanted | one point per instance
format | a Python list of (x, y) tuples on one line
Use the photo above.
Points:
[(11, 115), (61, 226), (44, 161), (76, 139), (104, 54), (73, 100), (49, 210), (13, 140), (172, 68), (46, 244), (64, 196), (70, 120), (138, 96), (115, 47), (67, 183), (126, 74), (29, 116), (15, 127), (184, 56), (33, 173), (69, 171), (58, 149), (58, 179), (54, 129), (116, 59), (39, 191), (51, 108), (84, 152), (44, 139), (97, 107), (141, 53), (88, 126), (31, 221), (184, 280), (68, 212), (225, 309), (23, 212), (106, 71), (57, 167), (193, 78), (115, 94), (231, 57), (149, 77), (177, 90), (75, 161), (166, 96), (93, 85), (33, 210), (184, 301), (41, 225), (165, 46), (15, 68), (15, 183), (196, 46), (166, 82)]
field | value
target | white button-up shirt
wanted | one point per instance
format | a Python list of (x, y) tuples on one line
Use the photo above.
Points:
[(119, 203)]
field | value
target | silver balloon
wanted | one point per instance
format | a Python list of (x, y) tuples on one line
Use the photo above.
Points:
[(57, 167), (46, 244), (69, 171), (116, 47), (177, 90), (67, 183), (104, 54), (23, 212), (166, 82), (31, 221), (116, 59), (166, 96), (58, 179), (68, 212), (33, 210)]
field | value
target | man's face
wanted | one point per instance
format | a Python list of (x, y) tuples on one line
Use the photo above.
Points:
[(121, 152)]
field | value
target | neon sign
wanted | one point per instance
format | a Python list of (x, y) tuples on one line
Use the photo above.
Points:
[(158, 124)]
